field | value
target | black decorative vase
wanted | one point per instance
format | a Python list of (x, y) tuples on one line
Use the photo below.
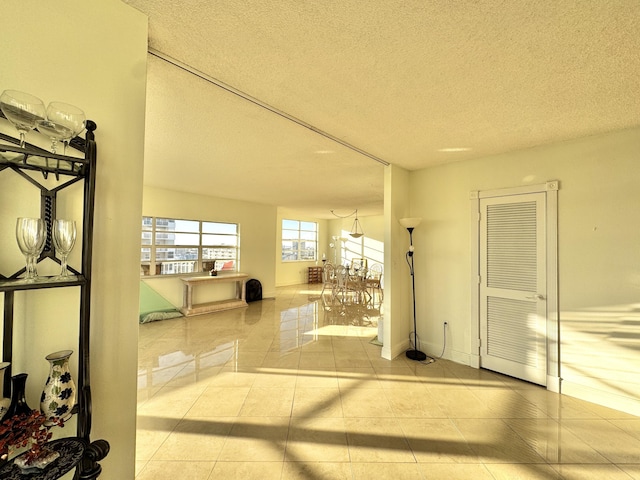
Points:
[(18, 403)]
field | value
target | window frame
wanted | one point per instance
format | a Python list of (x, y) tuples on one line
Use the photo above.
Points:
[(298, 240), (151, 265)]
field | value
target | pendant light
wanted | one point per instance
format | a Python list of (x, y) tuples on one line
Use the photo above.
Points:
[(356, 228)]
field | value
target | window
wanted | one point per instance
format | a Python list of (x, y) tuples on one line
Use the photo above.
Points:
[(299, 241), (171, 246)]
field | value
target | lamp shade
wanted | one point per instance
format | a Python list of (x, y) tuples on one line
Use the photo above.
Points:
[(410, 222)]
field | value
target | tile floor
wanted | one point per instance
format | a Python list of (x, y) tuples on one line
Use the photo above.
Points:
[(290, 389)]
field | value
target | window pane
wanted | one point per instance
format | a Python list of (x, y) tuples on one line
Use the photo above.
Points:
[(171, 268), (291, 224), (225, 265), (228, 228), (218, 253), (173, 225), (219, 240), (146, 238), (308, 254), (176, 253), (289, 245), (147, 223), (308, 226), (308, 236), (288, 255), (145, 254), (289, 234), (177, 239)]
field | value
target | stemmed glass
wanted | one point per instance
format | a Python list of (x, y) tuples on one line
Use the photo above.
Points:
[(23, 110), (54, 131), (64, 238), (67, 121), (31, 234)]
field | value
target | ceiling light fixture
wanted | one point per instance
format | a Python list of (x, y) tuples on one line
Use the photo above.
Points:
[(356, 228), (454, 149)]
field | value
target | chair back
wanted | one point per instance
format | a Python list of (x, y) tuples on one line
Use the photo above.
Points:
[(375, 273), (358, 263), (327, 273), (341, 276)]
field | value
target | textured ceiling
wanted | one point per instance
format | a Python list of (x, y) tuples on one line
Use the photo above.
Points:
[(402, 80)]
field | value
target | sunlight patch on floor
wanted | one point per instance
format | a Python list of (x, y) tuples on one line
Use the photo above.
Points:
[(344, 331)]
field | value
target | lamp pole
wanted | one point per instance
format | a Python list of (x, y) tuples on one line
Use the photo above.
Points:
[(414, 354)]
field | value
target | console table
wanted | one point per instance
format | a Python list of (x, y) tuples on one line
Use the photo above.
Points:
[(189, 283)]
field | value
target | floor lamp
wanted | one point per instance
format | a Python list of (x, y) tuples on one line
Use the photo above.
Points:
[(410, 224)]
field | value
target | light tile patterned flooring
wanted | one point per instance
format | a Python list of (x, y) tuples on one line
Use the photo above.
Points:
[(287, 389)]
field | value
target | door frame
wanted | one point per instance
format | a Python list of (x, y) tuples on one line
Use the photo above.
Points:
[(550, 189)]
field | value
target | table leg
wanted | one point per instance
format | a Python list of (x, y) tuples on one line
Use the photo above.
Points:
[(187, 297)]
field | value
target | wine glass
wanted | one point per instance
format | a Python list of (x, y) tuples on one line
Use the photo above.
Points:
[(31, 235), (68, 120), (64, 238), (23, 110), (55, 131)]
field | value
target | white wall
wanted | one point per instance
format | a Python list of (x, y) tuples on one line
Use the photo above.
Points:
[(258, 232), (599, 256), (398, 307), (90, 54)]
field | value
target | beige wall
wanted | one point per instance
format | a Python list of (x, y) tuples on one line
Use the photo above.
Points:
[(258, 232), (370, 245), (599, 256), (398, 307), (91, 54), (295, 273)]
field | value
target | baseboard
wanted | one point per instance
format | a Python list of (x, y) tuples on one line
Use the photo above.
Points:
[(617, 402), (398, 349), (553, 384), (435, 350)]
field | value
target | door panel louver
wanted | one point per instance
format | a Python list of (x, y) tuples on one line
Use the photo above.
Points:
[(511, 330), (511, 246)]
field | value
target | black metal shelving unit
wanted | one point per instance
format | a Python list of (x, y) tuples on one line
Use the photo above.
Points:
[(68, 170)]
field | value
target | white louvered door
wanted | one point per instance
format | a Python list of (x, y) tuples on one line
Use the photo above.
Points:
[(513, 286)]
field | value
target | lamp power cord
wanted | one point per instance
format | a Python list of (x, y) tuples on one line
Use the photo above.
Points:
[(429, 359)]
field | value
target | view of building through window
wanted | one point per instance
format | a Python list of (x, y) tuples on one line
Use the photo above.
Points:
[(172, 246), (299, 241)]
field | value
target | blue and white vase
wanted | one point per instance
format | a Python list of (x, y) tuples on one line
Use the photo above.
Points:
[(59, 394)]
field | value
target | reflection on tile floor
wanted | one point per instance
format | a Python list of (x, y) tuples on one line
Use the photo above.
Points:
[(292, 388)]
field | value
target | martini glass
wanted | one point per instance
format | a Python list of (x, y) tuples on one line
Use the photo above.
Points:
[(23, 110), (64, 238), (30, 234), (68, 120)]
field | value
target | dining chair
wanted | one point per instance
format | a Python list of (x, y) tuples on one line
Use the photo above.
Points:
[(374, 281), (328, 278)]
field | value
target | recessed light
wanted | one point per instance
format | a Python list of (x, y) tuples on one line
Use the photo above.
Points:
[(454, 149)]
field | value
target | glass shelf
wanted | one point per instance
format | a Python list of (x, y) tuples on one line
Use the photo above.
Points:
[(13, 284), (40, 160)]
